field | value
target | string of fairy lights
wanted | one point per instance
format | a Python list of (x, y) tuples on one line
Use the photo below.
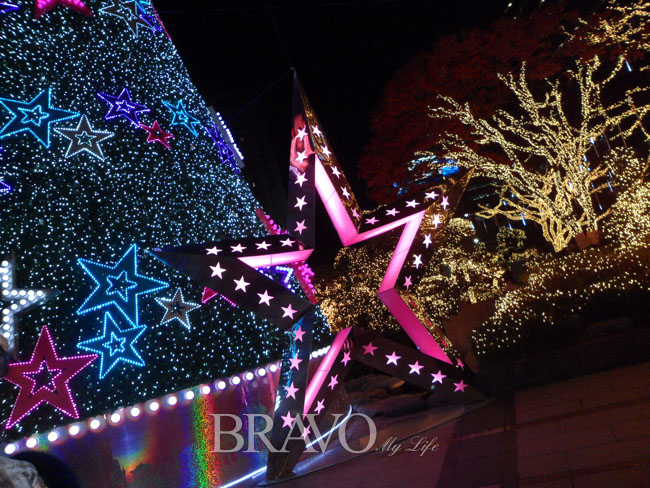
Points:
[(89, 185)]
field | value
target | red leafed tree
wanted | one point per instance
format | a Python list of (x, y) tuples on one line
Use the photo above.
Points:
[(464, 67)]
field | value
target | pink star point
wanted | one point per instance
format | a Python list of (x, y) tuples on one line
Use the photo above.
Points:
[(333, 381), (460, 386), (346, 358), (300, 226), (287, 420), (320, 405), (438, 377)]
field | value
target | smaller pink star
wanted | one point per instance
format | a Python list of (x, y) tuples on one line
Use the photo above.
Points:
[(392, 212), (300, 226), (333, 381), (287, 242), (320, 405), (355, 214), (445, 202), (460, 386), (415, 368), (298, 333), (392, 358), (288, 311), (346, 358), (407, 282), (369, 349), (291, 391), (460, 364), (371, 221), (432, 195), (287, 420), (306, 432), (295, 363), (437, 377)]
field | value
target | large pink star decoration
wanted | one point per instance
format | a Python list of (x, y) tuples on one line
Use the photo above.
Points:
[(56, 390), (418, 218), (44, 6)]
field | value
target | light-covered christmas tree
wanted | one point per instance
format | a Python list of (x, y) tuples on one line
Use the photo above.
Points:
[(105, 144)]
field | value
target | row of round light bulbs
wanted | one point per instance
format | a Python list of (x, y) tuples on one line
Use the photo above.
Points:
[(97, 424)]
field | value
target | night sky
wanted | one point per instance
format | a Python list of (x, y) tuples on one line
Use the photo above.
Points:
[(343, 52)]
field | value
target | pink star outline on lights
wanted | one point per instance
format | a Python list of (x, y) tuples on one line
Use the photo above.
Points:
[(156, 134), (291, 391), (369, 349), (31, 394), (44, 6)]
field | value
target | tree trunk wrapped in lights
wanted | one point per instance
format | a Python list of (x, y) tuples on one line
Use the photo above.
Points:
[(544, 132)]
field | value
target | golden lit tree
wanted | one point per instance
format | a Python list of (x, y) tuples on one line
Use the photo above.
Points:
[(545, 137)]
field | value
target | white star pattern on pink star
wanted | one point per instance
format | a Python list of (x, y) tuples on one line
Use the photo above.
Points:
[(326, 151), (460, 386), (392, 358), (316, 130), (302, 155), (287, 242), (369, 349), (301, 179), (298, 333), (407, 282), (287, 420), (427, 240), (346, 358), (295, 363), (300, 202), (320, 405), (237, 248), (263, 245), (418, 261), (291, 391), (241, 284), (300, 226), (336, 172), (437, 377), (415, 368), (288, 311), (302, 132), (265, 297), (214, 250), (436, 220), (345, 192), (217, 270)]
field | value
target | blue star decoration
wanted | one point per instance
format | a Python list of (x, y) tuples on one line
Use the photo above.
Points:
[(119, 285), (35, 116), (115, 345), (181, 117)]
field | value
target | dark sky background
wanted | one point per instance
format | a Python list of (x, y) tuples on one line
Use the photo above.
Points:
[(343, 52)]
